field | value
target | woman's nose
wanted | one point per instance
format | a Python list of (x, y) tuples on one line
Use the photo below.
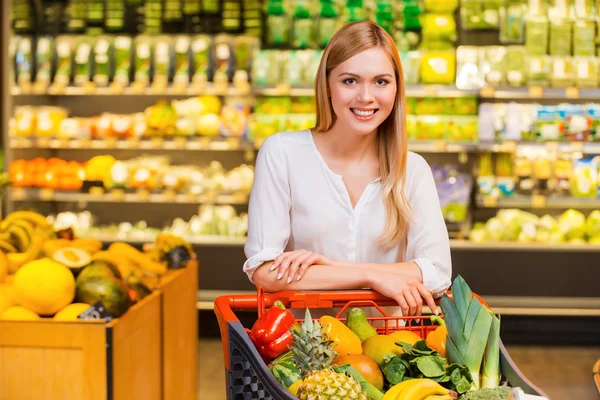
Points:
[(364, 93)]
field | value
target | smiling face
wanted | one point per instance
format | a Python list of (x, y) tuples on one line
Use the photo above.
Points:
[(363, 91)]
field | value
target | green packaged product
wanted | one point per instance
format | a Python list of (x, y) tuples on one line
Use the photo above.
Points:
[(480, 14), (411, 61), (411, 11), (516, 66), (43, 55), (584, 32), (83, 64), (328, 20), (586, 72), (463, 105), (102, 50), (512, 21), (223, 47), (24, 60), (122, 59), (200, 58), (561, 35), (431, 127), (539, 68), (277, 24), (462, 129), (438, 27), (431, 106), (181, 73), (494, 65), (563, 72), (469, 72), (266, 70), (536, 35), (162, 60), (244, 48), (64, 60), (143, 60), (302, 24)]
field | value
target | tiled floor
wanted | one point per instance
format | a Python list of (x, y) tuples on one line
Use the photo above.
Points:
[(564, 373)]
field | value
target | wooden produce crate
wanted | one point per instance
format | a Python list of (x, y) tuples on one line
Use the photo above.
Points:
[(149, 353)]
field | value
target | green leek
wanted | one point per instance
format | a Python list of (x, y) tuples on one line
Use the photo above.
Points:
[(473, 335)]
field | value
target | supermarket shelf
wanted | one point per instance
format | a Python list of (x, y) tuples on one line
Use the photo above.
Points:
[(197, 240), (515, 246), (117, 196), (179, 143), (242, 144), (538, 202)]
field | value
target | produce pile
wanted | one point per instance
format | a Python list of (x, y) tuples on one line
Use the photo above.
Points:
[(512, 225), (54, 275), (331, 359), (152, 173)]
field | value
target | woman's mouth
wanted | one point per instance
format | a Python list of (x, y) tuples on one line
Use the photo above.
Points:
[(363, 115)]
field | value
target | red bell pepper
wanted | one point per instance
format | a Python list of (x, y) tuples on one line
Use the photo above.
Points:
[(271, 332)]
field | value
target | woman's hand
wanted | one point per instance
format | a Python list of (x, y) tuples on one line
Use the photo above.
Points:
[(404, 288), (293, 264)]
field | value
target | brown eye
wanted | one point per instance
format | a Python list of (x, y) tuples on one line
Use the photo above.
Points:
[(381, 82), (349, 81)]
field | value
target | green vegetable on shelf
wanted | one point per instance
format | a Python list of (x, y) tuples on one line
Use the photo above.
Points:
[(122, 59), (497, 393), (512, 21)]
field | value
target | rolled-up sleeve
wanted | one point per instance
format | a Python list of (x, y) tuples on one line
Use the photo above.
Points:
[(428, 244), (269, 207)]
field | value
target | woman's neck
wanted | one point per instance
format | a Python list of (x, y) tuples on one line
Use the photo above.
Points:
[(342, 144)]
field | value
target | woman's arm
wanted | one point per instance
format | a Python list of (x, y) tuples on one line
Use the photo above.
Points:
[(317, 277), (401, 282)]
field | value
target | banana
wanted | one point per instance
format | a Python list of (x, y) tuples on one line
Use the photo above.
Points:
[(28, 226), (90, 245), (421, 389), (17, 260), (21, 237), (7, 246), (36, 219), (397, 389), (436, 397)]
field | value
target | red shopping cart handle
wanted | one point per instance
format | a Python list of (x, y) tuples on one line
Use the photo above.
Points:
[(261, 301)]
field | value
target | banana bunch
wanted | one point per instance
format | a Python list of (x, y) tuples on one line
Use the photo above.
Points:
[(22, 234), (90, 246), (418, 389), (164, 244)]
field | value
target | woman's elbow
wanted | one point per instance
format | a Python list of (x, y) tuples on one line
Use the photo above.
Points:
[(266, 278)]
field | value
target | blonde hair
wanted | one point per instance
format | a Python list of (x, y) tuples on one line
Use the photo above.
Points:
[(391, 134)]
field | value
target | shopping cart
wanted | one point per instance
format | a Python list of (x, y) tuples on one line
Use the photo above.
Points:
[(247, 375)]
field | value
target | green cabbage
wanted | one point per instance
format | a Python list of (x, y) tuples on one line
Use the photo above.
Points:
[(572, 224)]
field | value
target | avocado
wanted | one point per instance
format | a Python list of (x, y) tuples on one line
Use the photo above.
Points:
[(357, 322)]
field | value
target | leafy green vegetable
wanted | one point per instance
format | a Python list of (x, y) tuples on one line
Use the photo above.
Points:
[(420, 361), (497, 393)]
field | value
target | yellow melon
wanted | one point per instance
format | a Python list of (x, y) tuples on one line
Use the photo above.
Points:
[(44, 286), (406, 337), (18, 313), (71, 312)]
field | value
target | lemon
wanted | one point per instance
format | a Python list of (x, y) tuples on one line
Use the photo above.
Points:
[(18, 313), (71, 312), (44, 286)]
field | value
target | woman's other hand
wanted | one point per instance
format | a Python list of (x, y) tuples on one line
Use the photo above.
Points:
[(293, 264), (407, 290)]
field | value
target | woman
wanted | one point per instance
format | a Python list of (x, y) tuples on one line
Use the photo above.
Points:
[(345, 205)]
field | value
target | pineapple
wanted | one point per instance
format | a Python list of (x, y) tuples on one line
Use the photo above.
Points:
[(313, 353)]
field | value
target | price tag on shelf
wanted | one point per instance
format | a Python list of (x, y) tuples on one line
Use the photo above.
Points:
[(204, 143), (209, 198), (463, 157), (157, 142), (180, 142), (283, 89), (46, 194), (43, 142), (169, 195), (117, 88), (89, 88), (572, 93), (180, 88), (96, 191), (18, 193), (191, 197), (117, 194), (111, 143), (430, 90), (439, 146), (577, 146), (143, 194), (40, 88), (234, 143), (536, 92), (134, 142), (552, 147), (488, 92), (490, 201), (138, 87), (509, 146), (85, 143), (249, 155), (538, 201)]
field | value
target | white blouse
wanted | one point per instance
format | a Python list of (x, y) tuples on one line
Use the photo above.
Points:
[(298, 202)]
